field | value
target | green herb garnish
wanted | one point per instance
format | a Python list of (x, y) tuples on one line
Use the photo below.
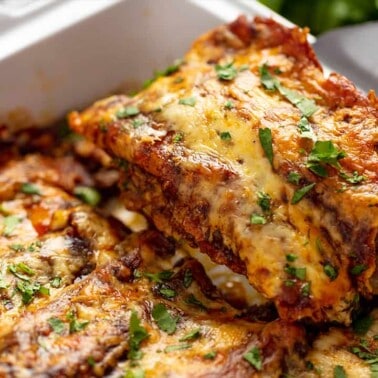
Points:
[(164, 275), (167, 292), (128, 111), (304, 104), (226, 72), (354, 179), (225, 135), (267, 80), (192, 335), (173, 348), (263, 200), (135, 373), (254, 358), (305, 289), (294, 177), (19, 269), (330, 271), (56, 324), (265, 136), (137, 334), (74, 324), (362, 325), (229, 105), (305, 129), (28, 290), (29, 188), (300, 193), (190, 101), (88, 195), (339, 372), (56, 282), (192, 300), (165, 321), (178, 137), (137, 122), (257, 219), (299, 273), (211, 355), (188, 278), (358, 269), (291, 257), (10, 222)]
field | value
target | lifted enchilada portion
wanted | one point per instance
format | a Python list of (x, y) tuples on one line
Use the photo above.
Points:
[(247, 151)]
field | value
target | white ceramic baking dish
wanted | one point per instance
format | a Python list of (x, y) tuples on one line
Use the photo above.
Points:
[(56, 55)]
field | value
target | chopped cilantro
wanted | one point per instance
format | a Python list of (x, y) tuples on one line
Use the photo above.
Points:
[(74, 324), (229, 105), (324, 152), (188, 278), (28, 290), (254, 358), (190, 101), (291, 257), (166, 72), (91, 361), (263, 200), (294, 177), (178, 137), (178, 80), (29, 188), (10, 222), (19, 269), (300, 193), (330, 271), (17, 247), (289, 283), (192, 335), (225, 135), (358, 269), (88, 195), (173, 348), (305, 129), (339, 372), (265, 136), (164, 275), (362, 325), (304, 104), (192, 300), (137, 334), (56, 282), (226, 72), (137, 122), (56, 324), (128, 111), (165, 321), (299, 273), (257, 219), (167, 292), (267, 80), (354, 179), (210, 355), (134, 373), (306, 289)]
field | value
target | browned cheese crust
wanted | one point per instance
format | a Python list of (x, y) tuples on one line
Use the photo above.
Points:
[(198, 142), (70, 284)]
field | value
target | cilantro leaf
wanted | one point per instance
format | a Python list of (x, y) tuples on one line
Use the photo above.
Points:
[(173, 348), (74, 324), (254, 358), (305, 129), (304, 104), (300, 193), (330, 271), (195, 334), (137, 334), (165, 321), (299, 273), (294, 177), (211, 355), (10, 222), (326, 152), (225, 135), (267, 80), (265, 136), (128, 111), (263, 200), (188, 278), (88, 195), (56, 324), (226, 72), (354, 179), (339, 372), (358, 269), (190, 101), (192, 300), (164, 275), (257, 219), (29, 188)]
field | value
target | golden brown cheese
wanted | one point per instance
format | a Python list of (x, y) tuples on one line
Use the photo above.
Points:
[(70, 285), (198, 165)]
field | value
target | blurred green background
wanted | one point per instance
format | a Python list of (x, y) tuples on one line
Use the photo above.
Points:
[(322, 15)]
